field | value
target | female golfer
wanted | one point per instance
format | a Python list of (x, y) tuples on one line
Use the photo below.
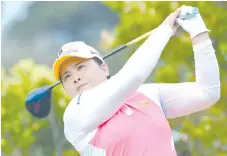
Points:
[(121, 116)]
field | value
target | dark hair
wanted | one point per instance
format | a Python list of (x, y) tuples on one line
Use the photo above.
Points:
[(100, 62)]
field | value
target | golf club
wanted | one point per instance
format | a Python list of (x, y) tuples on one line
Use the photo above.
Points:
[(38, 101)]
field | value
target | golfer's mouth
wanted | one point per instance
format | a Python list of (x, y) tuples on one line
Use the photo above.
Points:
[(81, 86)]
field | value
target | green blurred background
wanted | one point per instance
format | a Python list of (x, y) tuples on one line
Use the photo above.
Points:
[(32, 35)]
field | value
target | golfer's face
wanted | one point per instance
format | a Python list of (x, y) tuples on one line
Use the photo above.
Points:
[(80, 75)]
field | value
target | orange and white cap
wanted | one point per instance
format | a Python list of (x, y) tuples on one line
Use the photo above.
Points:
[(76, 49)]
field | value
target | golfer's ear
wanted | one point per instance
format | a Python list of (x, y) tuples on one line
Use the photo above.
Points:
[(60, 79), (105, 68)]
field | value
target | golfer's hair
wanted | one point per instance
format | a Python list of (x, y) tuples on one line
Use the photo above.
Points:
[(100, 62)]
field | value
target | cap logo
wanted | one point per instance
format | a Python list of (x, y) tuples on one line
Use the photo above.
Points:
[(72, 47), (66, 52)]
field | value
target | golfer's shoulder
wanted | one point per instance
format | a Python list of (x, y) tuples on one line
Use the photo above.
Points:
[(74, 124), (73, 120), (72, 106), (78, 107)]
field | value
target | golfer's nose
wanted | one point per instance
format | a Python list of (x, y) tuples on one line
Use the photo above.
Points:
[(76, 79)]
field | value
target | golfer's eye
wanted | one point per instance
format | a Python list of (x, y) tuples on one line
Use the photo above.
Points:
[(66, 77), (80, 67)]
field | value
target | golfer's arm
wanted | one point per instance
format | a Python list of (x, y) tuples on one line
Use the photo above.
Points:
[(185, 98), (100, 103)]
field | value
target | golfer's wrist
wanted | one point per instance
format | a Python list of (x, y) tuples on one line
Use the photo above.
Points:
[(202, 45), (200, 38)]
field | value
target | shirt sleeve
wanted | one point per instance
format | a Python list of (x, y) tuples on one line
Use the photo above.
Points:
[(100, 103), (180, 99)]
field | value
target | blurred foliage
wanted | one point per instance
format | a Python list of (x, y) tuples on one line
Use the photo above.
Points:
[(206, 130), (203, 133), (19, 129)]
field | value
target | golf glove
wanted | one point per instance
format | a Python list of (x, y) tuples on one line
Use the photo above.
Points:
[(193, 25)]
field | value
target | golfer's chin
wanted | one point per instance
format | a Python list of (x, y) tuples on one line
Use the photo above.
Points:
[(82, 89)]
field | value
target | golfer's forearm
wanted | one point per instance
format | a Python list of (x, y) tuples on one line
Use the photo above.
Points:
[(102, 102), (146, 57)]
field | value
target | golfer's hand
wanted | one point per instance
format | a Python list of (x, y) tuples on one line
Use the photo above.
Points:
[(194, 25), (170, 20)]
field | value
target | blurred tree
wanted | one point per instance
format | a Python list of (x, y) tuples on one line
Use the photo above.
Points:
[(206, 130), (21, 133)]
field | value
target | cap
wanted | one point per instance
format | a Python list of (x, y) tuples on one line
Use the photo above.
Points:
[(76, 49)]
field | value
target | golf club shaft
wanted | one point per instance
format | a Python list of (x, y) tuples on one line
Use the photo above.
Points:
[(57, 83), (120, 48), (129, 44)]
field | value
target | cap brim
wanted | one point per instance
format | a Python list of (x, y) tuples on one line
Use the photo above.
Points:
[(62, 59)]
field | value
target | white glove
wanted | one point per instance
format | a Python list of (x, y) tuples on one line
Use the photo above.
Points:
[(193, 25)]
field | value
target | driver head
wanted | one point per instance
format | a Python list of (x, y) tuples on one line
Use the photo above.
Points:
[(38, 102)]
